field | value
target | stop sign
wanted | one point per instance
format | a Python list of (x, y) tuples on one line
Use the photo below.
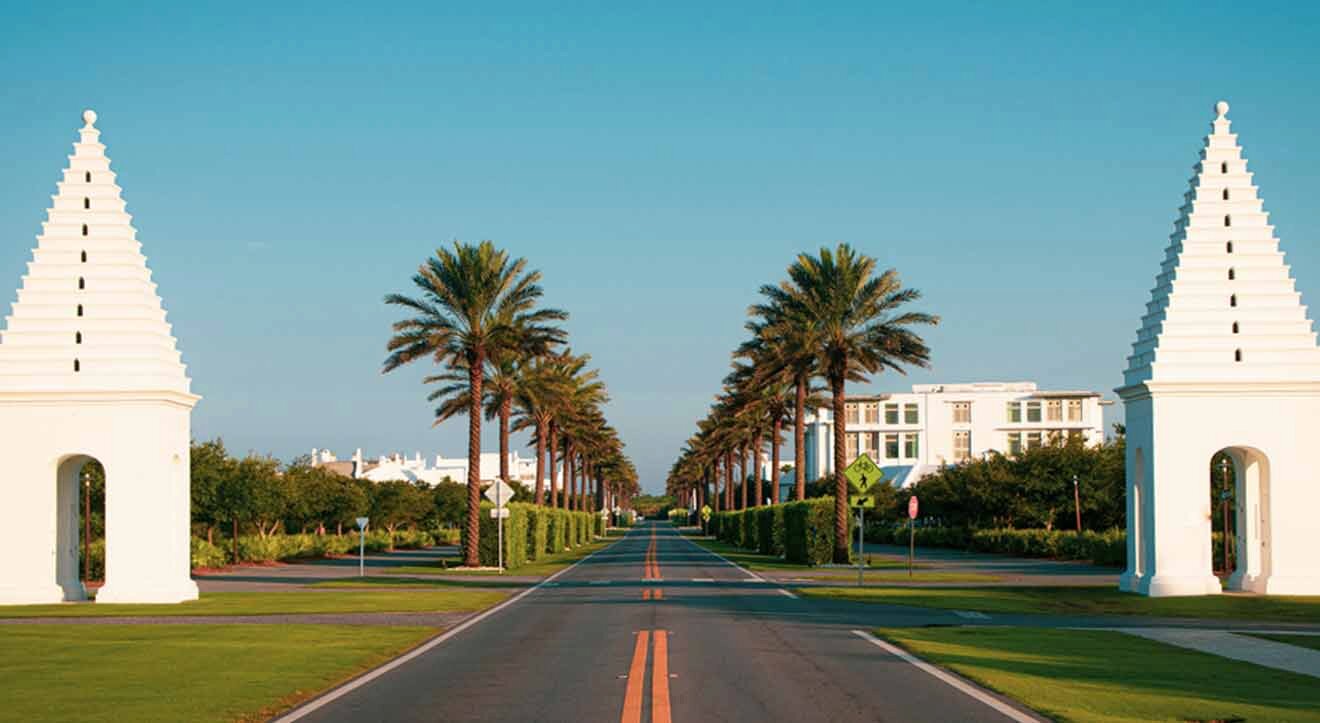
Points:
[(912, 507)]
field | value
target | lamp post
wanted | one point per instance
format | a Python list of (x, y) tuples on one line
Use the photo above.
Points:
[(1077, 504), (87, 525), (1224, 467)]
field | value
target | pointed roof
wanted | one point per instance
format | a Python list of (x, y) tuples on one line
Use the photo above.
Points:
[(1224, 307), (88, 318)]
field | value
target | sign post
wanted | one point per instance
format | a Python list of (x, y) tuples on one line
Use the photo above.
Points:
[(705, 519), (497, 493), (861, 474), (362, 546), (912, 530)]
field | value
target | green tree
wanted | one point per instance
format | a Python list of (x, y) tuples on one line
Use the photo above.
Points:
[(209, 463), (474, 301)]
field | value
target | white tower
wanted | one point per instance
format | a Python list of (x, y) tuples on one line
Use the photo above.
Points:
[(89, 370), (1225, 360)]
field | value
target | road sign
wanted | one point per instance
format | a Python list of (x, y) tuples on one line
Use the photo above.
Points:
[(912, 507), (362, 523), (705, 513), (499, 493), (862, 501), (863, 473), (499, 513), (362, 546)]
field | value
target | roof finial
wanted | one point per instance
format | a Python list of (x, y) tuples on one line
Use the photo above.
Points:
[(89, 117), (1221, 108)]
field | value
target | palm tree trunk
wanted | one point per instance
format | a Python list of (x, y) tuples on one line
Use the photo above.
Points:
[(800, 440), (568, 476), (506, 409), (756, 469), (715, 485), (554, 450), (540, 464), (472, 549), (728, 480), (774, 461), (840, 482), (742, 475)]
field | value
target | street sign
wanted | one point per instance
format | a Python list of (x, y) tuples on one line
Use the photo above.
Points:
[(362, 523), (705, 513), (500, 493), (863, 473), (862, 501), (912, 507), (499, 513), (362, 546)]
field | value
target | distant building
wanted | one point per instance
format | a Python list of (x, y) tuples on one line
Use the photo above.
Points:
[(418, 469), (911, 434)]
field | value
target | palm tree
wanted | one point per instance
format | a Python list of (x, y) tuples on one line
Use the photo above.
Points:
[(784, 347), (537, 388), (474, 301), (856, 320)]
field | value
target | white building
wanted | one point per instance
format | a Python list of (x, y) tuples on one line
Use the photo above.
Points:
[(419, 469), (911, 434), (89, 370), (1225, 360)]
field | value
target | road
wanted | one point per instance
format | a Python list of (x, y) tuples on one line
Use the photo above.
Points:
[(655, 628)]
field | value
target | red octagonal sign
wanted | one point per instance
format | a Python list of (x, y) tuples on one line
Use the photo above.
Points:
[(912, 507)]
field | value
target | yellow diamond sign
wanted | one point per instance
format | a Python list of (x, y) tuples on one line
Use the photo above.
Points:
[(863, 473)]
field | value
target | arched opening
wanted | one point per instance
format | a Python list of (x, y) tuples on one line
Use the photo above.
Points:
[(1223, 167), (82, 283), (1239, 517), (87, 202), (84, 229), (1237, 355), (77, 337), (80, 310), (1232, 300), (87, 177), (1235, 327), (80, 531), (84, 257)]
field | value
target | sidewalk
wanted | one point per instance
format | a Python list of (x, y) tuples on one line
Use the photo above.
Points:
[(1268, 653)]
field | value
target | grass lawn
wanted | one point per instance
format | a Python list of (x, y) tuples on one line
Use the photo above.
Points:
[(1302, 641), (142, 673), (546, 566), (1102, 676), (276, 603), (880, 570), (1083, 601)]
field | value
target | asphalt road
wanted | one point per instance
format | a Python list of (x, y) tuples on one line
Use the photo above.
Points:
[(599, 643)]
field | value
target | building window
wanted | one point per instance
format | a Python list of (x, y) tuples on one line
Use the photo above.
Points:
[(850, 442), (871, 412), (962, 445), (911, 448), (891, 446), (1228, 247), (1223, 167), (910, 414), (82, 283), (1014, 443), (872, 443), (1232, 300), (962, 412), (1225, 194), (87, 203), (1235, 327), (1054, 410), (1054, 437), (1074, 410), (1033, 440), (1074, 435), (84, 257), (77, 337), (84, 229), (87, 177), (1228, 220), (1033, 411), (1232, 274), (891, 414), (850, 413), (80, 310), (77, 366), (1237, 355), (1014, 412)]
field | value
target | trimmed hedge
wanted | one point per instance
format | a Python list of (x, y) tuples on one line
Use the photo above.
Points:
[(800, 532), (1102, 548), (531, 533)]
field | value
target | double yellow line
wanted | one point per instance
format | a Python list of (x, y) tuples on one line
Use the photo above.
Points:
[(652, 571), (632, 699)]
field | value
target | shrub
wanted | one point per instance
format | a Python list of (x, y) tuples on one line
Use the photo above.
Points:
[(557, 530), (809, 531), (204, 554), (679, 517), (538, 532)]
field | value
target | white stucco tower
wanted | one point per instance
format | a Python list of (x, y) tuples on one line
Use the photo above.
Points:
[(89, 370), (1225, 360)]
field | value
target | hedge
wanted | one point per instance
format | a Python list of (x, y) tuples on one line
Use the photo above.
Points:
[(1102, 548), (800, 532)]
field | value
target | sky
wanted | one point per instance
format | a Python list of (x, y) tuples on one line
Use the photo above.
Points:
[(287, 166)]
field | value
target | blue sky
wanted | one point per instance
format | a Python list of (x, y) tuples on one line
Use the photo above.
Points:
[(1019, 163)]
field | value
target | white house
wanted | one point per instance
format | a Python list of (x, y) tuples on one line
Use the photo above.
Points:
[(911, 434), (418, 469)]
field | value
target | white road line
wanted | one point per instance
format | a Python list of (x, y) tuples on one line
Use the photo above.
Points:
[(971, 615), (787, 593), (952, 680), (329, 697), (726, 560)]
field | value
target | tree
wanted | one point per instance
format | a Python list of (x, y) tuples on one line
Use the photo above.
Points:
[(396, 503), (474, 301), (209, 463), (859, 329)]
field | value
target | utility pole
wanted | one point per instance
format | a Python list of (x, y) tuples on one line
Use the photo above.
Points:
[(1077, 504)]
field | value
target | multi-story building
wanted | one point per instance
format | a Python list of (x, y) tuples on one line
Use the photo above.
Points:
[(397, 467), (912, 434)]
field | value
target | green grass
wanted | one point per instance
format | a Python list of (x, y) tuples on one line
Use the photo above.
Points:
[(1082, 601), (277, 603), (880, 570), (1302, 641), (895, 576), (758, 562), (1105, 677), (145, 673), (546, 566)]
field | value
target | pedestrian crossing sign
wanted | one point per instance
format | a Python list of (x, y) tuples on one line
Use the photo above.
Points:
[(862, 473)]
